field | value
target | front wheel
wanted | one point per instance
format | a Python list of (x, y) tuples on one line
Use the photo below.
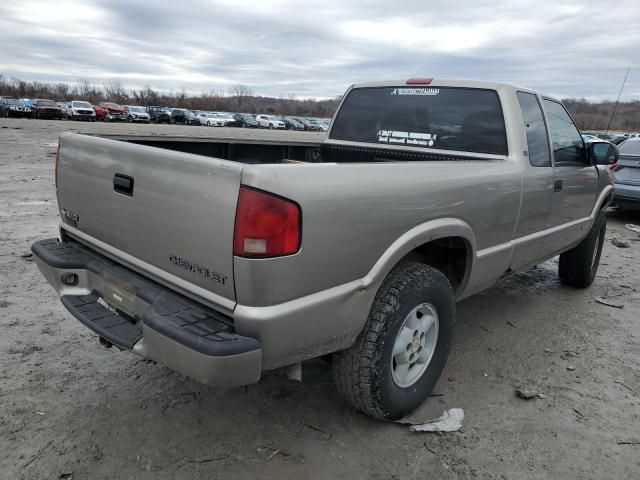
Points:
[(401, 352), (271, 126), (578, 266)]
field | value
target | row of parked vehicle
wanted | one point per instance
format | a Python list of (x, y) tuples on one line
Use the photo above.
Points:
[(614, 137), (112, 112), (227, 119)]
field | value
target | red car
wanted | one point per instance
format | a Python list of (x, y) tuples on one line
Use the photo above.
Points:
[(64, 109), (43, 108), (114, 112), (101, 112)]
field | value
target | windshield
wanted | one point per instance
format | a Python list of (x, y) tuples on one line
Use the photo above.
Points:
[(12, 101), (137, 109), (46, 103), (630, 147), (80, 104), (443, 118)]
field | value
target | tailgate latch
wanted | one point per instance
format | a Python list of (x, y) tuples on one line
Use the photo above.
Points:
[(123, 184)]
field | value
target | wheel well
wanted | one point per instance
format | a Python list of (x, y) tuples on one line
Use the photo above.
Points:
[(607, 201), (450, 255)]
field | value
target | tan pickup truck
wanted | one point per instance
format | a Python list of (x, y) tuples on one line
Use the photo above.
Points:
[(225, 258)]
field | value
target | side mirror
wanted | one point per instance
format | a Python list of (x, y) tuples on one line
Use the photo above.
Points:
[(602, 153)]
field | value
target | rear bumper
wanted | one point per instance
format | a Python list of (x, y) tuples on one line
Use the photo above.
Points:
[(626, 195), (137, 314)]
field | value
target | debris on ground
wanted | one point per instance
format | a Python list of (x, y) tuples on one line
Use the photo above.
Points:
[(628, 442), (450, 421), (627, 387), (619, 243), (26, 255), (528, 393), (632, 227), (608, 303), (571, 368), (510, 323), (567, 354), (578, 413)]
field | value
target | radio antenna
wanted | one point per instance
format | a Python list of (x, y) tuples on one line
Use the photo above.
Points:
[(617, 101)]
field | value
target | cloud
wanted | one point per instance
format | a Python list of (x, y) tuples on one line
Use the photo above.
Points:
[(278, 47)]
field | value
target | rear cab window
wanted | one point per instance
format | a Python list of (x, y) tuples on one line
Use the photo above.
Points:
[(441, 118), (535, 128)]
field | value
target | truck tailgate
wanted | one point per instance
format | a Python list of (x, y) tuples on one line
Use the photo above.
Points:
[(178, 217)]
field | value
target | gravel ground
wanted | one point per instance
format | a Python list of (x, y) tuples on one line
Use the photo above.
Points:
[(72, 409)]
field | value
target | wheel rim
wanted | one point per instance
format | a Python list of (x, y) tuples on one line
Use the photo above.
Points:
[(414, 345)]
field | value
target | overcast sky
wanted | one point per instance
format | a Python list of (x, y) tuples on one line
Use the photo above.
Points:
[(317, 49)]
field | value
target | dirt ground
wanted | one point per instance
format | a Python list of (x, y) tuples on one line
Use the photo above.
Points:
[(72, 409)]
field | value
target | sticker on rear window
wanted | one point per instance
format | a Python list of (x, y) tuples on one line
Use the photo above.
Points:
[(415, 91), (406, 138)]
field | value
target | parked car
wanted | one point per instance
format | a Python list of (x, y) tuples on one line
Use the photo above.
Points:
[(201, 262), (101, 112), (159, 114), (270, 121), (136, 114), (246, 120), (306, 124), (63, 109), (210, 119), (626, 174), (316, 125), (229, 119), (11, 107), (44, 108), (115, 112), (184, 116), (291, 123), (81, 110)]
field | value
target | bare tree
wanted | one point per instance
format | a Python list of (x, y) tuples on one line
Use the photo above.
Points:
[(241, 93)]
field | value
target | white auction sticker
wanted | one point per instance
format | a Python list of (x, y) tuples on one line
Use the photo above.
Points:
[(407, 138), (415, 91)]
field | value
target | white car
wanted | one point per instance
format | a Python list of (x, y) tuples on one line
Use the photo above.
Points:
[(80, 110), (137, 114), (210, 119), (227, 117), (270, 121)]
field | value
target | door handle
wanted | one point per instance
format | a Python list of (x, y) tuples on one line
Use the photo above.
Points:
[(123, 184), (557, 186)]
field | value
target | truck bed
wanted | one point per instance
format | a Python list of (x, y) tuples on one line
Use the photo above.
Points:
[(233, 149)]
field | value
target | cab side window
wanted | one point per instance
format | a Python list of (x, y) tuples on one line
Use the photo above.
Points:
[(537, 140), (568, 147)]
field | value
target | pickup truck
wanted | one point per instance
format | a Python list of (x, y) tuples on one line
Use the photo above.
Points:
[(225, 258)]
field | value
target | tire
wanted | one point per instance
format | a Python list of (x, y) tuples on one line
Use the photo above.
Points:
[(271, 126), (172, 121), (578, 266), (365, 374)]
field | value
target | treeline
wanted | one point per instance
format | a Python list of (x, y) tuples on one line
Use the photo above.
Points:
[(596, 115), (240, 98)]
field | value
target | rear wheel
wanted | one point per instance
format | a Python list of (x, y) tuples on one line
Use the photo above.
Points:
[(578, 266), (398, 357)]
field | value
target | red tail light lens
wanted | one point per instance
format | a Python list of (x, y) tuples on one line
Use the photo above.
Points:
[(55, 172), (266, 225)]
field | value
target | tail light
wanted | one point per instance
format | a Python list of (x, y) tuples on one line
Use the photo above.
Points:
[(419, 81), (266, 225), (55, 172)]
